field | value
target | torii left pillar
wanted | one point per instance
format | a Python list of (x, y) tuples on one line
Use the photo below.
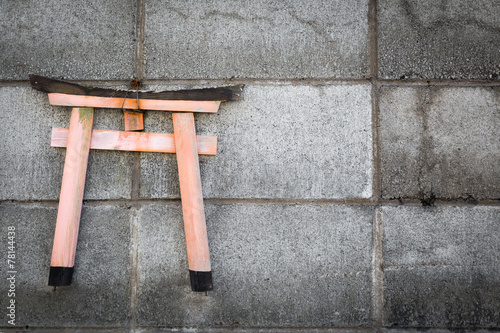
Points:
[(70, 200)]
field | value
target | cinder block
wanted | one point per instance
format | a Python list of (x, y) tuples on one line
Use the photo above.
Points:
[(258, 39), (440, 142), (100, 293), (75, 40), (460, 236), (278, 141), (401, 134), (273, 265), (30, 169), (441, 266), (438, 40), (442, 297)]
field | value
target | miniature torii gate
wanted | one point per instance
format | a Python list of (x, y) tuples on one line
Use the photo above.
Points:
[(80, 138)]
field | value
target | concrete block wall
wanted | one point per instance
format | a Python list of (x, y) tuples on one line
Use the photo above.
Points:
[(356, 185)]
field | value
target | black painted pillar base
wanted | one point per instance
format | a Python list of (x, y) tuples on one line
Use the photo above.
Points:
[(201, 281), (60, 276)]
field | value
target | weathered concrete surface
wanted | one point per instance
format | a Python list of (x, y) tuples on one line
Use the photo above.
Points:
[(437, 330), (66, 330), (459, 236), (442, 297), (100, 292), (72, 39), (250, 330), (278, 141), (30, 169), (440, 141), (441, 266), (211, 330), (256, 330), (273, 265), (401, 131), (439, 39), (257, 39)]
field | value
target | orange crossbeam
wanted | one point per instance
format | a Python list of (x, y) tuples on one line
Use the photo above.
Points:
[(135, 141), (132, 103)]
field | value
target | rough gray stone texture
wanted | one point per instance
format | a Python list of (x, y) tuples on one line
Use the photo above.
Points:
[(70, 330), (441, 266), (278, 141), (257, 39), (437, 330), (439, 39), (212, 330), (30, 169), (440, 141), (249, 330), (459, 236), (72, 39), (100, 293), (273, 265), (256, 330)]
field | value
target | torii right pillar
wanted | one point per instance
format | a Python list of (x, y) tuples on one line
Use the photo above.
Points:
[(200, 271)]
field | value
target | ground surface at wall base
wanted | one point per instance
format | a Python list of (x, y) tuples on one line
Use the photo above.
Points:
[(247, 330)]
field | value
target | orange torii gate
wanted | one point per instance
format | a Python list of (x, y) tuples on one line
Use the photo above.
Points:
[(80, 138)]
